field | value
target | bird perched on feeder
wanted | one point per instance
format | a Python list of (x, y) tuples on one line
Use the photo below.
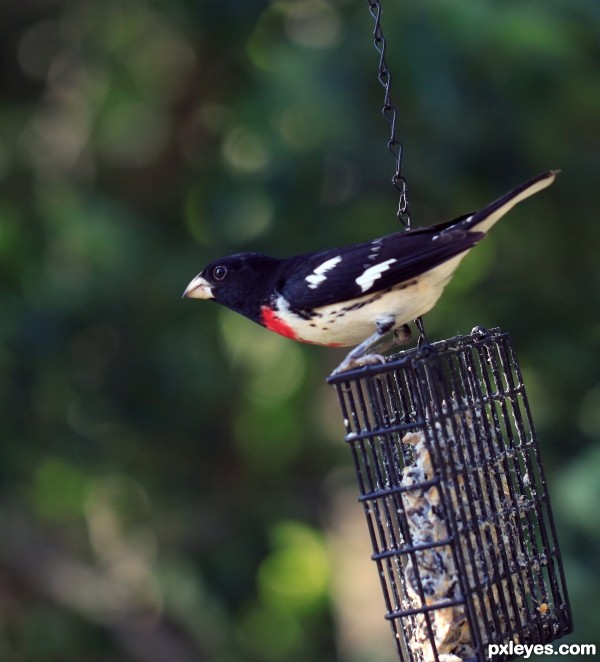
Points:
[(356, 294)]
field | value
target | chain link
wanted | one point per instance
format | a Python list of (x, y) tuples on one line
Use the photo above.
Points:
[(390, 113)]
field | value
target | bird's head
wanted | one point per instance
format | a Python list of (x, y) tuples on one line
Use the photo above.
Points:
[(235, 281)]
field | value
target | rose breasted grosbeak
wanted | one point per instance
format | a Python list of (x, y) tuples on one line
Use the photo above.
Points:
[(356, 294)]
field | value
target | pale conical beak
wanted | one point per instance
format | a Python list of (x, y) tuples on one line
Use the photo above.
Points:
[(198, 289)]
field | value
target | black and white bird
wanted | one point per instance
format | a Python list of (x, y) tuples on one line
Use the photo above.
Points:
[(356, 294)]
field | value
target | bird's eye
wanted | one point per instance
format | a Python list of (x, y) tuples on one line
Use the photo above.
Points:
[(219, 272)]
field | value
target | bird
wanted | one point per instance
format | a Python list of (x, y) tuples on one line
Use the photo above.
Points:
[(356, 294)]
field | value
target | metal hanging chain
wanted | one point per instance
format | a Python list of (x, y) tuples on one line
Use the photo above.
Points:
[(390, 113)]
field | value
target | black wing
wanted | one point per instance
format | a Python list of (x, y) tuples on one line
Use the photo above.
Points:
[(342, 274)]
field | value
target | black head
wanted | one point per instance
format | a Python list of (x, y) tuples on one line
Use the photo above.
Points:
[(241, 282)]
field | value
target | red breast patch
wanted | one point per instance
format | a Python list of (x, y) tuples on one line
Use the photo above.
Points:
[(274, 323)]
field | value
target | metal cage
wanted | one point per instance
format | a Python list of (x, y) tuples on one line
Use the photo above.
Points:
[(453, 489)]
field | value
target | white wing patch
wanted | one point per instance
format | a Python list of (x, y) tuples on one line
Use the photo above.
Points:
[(368, 277), (318, 275), (375, 248)]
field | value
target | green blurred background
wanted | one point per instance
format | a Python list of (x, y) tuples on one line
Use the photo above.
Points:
[(174, 485)]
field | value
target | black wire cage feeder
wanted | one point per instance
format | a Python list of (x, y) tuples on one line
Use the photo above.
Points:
[(451, 480), (452, 484)]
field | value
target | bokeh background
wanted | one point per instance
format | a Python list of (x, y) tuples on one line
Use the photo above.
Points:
[(174, 485)]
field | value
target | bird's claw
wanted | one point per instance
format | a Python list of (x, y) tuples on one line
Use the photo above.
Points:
[(350, 362), (356, 359)]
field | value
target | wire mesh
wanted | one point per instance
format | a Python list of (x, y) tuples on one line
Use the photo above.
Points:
[(451, 480)]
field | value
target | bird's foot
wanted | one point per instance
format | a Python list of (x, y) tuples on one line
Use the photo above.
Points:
[(400, 336), (351, 362), (359, 357)]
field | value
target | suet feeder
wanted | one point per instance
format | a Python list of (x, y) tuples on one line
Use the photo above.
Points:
[(452, 484)]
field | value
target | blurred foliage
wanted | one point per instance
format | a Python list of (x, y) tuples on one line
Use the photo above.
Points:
[(166, 467)]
